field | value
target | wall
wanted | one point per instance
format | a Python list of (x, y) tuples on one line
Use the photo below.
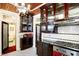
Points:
[(60, 37), (0, 38), (9, 17), (69, 29), (36, 21)]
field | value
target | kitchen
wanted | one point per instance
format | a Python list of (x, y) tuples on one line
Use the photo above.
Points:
[(50, 28)]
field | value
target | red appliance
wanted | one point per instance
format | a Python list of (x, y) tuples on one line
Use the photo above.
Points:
[(56, 53)]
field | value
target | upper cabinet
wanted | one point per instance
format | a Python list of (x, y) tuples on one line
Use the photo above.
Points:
[(73, 9), (47, 17), (44, 17), (50, 10), (60, 13), (50, 13), (26, 22), (44, 14)]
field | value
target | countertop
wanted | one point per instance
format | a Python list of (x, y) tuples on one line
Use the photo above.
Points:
[(66, 45)]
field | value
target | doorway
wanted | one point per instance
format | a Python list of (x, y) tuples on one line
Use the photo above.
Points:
[(8, 37), (5, 36)]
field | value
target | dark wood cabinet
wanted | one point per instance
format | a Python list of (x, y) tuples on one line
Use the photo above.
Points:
[(73, 9), (50, 14), (26, 22), (26, 42), (26, 26), (47, 18), (38, 36), (60, 12), (44, 15), (44, 49), (47, 49), (39, 48)]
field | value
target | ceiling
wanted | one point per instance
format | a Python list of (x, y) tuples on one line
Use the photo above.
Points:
[(30, 6), (33, 5), (14, 7)]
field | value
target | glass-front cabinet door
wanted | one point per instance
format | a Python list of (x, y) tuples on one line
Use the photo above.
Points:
[(43, 14), (60, 14), (50, 9), (44, 17), (50, 20), (73, 9)]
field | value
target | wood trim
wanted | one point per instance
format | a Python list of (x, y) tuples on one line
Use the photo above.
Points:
[(46, 18), (34, 5), (7, 35), (35, 12), (66, 9), (37, 33), (54, 8)]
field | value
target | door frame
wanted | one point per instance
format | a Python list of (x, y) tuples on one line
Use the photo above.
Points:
[(7, 35), (15, 33), (36, 34)]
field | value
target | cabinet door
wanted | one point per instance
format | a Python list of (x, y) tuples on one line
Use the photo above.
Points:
[(60, 14), (73, 9), (50, 10), (43, 15), (50, 49), (45, 49), (26, 22), (39, 49)]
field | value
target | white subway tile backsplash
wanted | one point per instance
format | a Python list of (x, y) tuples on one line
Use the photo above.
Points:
[(60, 37)]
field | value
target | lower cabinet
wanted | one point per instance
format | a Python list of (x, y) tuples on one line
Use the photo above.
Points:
[(44, 49), (47, 49), (26, 42), (39, 48)]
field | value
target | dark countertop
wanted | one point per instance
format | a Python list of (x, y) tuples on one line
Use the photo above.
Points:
[(66, 45)]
